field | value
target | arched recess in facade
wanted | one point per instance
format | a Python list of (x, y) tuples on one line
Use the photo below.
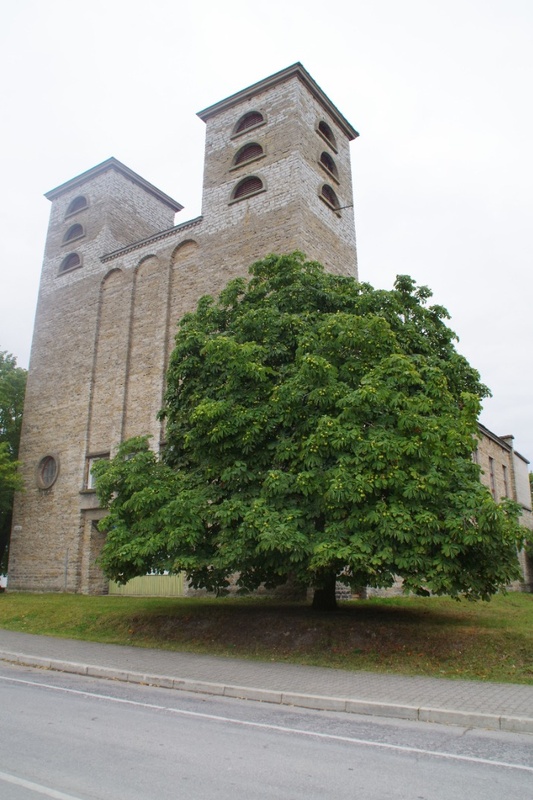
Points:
[(109, 369), (146, 352), (186, 285)]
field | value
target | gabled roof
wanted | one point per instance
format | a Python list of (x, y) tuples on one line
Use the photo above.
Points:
[(296, 70), (506, 442), (118, 166)]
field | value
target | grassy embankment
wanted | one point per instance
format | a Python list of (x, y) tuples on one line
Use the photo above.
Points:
[(435, 636)]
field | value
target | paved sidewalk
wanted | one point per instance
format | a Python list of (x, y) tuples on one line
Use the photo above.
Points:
[(466, 703)]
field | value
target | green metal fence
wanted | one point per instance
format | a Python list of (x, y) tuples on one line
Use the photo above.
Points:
[(151, 586)]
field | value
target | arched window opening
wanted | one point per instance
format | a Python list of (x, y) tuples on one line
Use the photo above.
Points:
[(89, 479), (327, 133), (247, 187), (328, 163), (249, 120), (70, 262), (329, 196), (78, 204), (247, 153), (74, 232)]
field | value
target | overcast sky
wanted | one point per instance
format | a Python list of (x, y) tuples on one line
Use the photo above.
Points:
[(441, 94)]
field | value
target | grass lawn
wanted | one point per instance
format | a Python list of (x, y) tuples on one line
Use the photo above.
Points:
[(412, 636)]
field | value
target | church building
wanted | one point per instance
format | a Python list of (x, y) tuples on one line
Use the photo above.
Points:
[(117, 276)]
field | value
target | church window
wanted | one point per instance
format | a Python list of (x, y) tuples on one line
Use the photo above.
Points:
[(78, 204), (47, 472), (74, 232), (505, 481), (250, 120), (328, 195), (492, 477), (91, 461), (72, 261), (247, 187), (329, 165), (327, 134), (248, 153)]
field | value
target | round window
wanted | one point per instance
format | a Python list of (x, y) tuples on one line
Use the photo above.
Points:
[(47, 472)]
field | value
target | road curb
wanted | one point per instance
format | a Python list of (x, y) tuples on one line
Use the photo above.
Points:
[(464, 719)]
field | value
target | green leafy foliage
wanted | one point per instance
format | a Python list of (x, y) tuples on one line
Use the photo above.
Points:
[(12, 388), (316, 428), (529, 540)]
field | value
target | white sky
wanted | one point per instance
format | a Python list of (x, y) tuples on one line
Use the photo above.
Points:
[(441, 94)]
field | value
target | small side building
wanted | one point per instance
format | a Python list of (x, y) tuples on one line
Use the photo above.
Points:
[(505, 472)]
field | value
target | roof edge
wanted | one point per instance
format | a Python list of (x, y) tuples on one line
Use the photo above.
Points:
[(295, 70), (494, 436), (118, 166), (155, 237)]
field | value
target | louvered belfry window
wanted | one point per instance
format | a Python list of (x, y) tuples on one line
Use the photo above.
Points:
[(77, 204), (70, 262), (329, 195), (329, 164), (248, 186), (248, 152), (250, 119), (74, 232), (327, 133)]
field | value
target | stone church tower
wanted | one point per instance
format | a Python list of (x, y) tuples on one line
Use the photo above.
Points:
[(118, 275)]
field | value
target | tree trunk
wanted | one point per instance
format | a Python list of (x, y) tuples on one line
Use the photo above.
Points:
[(324, 597), (5, 530)]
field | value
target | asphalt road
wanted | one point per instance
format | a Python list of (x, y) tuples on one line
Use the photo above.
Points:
[(75, 738)]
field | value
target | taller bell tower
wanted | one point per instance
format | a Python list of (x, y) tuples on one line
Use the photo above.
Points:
[(277, 173)]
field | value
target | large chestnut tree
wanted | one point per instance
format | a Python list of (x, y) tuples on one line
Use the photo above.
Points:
[(317, 429)]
